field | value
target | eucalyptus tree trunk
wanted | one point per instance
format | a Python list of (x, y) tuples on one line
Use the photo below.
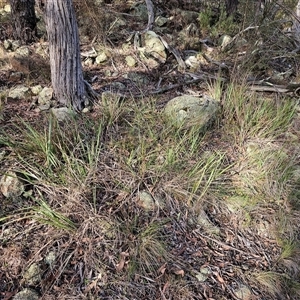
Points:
[(296, 23), (231, 6), (23, 20), (66, 70)]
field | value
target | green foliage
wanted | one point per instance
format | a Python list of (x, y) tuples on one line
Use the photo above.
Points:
[(146, 247), (86, 175), (217, 25), (249, 116), (44, 214), (59, 154)]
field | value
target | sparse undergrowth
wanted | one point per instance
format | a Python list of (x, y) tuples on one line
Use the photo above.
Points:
[(220, 217), (120, 204)]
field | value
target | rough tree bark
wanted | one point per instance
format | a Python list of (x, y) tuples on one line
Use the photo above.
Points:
[(231, 6), (296, 23), (66, 71), (23, 20)]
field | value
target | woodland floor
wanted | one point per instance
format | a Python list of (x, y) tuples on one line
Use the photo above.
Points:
[(117, 250)]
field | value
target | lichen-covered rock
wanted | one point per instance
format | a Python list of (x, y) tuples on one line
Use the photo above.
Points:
[(26, 294), (243, 293), (154, 46), (35, 90), (45, 96), (146, 201), (130, 61), (189, 111), (23, 51), (7, 44), (32, 275), (10, 185), (161, 21), (206, 224), (19, 92), (62, 113), (102, 57), (15, 45), (138, 78)]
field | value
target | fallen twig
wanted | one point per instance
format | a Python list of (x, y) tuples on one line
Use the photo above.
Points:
[(150, 10)]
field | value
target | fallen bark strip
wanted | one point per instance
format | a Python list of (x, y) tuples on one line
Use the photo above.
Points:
[(290, 88), (262, 88)]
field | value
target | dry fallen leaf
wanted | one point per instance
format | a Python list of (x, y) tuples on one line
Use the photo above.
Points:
[(120, 265), (93, 284), (219, 278), (162, 269), (179, 272)]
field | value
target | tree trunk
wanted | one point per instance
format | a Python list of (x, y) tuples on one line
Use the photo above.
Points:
[(231, 6), (296, 24), (23, 20), (66, 70)]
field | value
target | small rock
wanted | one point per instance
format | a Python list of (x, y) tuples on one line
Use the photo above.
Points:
[(102, 57), (35, 90), (192, 61), (203, 274), (44, 107), (264, 229), (154, 46), (146, 201), (138, 78), (161, 21), (7, 8), (45, 96), (23, 51), (7, 44), (19, 92), (10, 185), (32, 275), (62, 113), (88, 62), (86, 110), (108, 73), (42, 49), (27, 294), (225, 40), (207, 225), (15, 45), (243, 293), (50, 258), (131, 62)]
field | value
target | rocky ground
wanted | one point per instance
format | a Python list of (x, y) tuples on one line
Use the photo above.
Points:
[(186, 185)]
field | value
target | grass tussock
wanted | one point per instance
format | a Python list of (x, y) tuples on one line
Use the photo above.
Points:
[(86, 178)]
